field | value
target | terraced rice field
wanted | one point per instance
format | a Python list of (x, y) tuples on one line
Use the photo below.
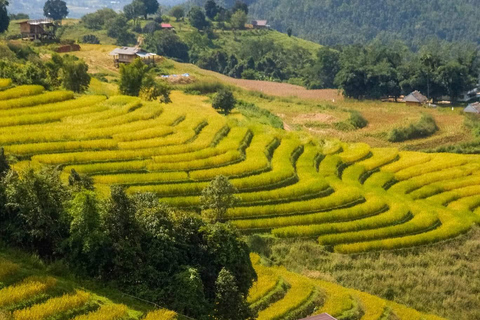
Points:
[(24, 297), (280, 294), (350, 197)]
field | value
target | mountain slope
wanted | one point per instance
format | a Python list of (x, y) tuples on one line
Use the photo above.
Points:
[(332, 22)]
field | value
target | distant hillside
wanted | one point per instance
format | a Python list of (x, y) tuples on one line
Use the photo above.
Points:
[(333, 22), (77, 8)]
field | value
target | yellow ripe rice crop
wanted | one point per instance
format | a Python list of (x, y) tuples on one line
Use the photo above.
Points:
[(106, 312), (21, 91), (37, 148), (5, 83), (141, 178), (49, 97), (267, 280), (53, 306), (161, 314), (25, 290), (355, 152)]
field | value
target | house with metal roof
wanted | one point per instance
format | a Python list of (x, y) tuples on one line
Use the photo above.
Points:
[(473, 108), (415, 99), (126, 55), (37, 29), (323, 316), (260, 24)]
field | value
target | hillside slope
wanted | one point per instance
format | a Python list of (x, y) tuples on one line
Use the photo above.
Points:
[(358, 21)]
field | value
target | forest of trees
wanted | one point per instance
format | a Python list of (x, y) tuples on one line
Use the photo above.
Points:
[(333, 22), (132, 242)]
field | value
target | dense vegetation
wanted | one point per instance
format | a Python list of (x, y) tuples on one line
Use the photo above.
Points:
[(182, 258), (360, 21)]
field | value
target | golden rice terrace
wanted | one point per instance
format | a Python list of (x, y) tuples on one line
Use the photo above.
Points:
[(350, 197)]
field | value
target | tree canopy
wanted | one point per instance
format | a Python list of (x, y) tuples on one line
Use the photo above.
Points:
[(4, 17), (55, 9)]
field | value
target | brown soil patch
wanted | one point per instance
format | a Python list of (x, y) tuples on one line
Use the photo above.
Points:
[(280, 89), (315, 117)]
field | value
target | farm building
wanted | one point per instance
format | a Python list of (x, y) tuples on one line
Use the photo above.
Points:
[(166, 26), (323, 316), (473, 108), (260, 24), (37, 29), (126, 55), (415, 99)]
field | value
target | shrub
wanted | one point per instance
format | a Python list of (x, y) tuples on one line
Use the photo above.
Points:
[(204, 87), (224, 100), (425, 127), (90, 38)]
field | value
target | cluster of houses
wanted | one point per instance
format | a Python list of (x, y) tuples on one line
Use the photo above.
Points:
[(417, 99)]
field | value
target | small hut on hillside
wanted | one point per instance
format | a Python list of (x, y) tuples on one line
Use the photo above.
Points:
[(126, 55), (260, 24), (415, 99), (473, 108), (166, 26), (37, 29)]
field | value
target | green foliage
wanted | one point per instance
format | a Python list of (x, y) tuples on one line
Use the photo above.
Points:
[(204, 87), (211, 9), (91, 39), (425, 127), (357, 120), (152, 89), (197, 18), (217, 198), (131, 77), (4, 17), (289, 32), (238, 20), (19, 16), (358, 21), (75, 75), (240, 5), (79, 182), (167, 43), (35, 216), (177, 12), (224, 100), (151, 27), (118, 29), (151, 6), (189, 295), (255, 113), (135, 9), (99, 19), (4, 166), (230, 303), (55, 9), (325, 68)]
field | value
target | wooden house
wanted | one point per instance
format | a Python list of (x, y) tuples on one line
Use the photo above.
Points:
[(415, 99), (473, 108), (260, 24), (37, 29), (323, 316), (126, 55)]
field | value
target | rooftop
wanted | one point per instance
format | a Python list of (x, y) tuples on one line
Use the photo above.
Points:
[(260, 22), (132, 51), (38, 22), (415, 96)]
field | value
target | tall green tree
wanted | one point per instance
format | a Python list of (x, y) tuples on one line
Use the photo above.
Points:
[(131, 77), (240, 5), (230, 304), (75, 75), (4, 166), (134, 10), (55, 9), (211, 9), (197, 18), (151, 7), (178, 12), (36, 217), (4, 17), (217, 198), (238, 20), (167, 43)]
